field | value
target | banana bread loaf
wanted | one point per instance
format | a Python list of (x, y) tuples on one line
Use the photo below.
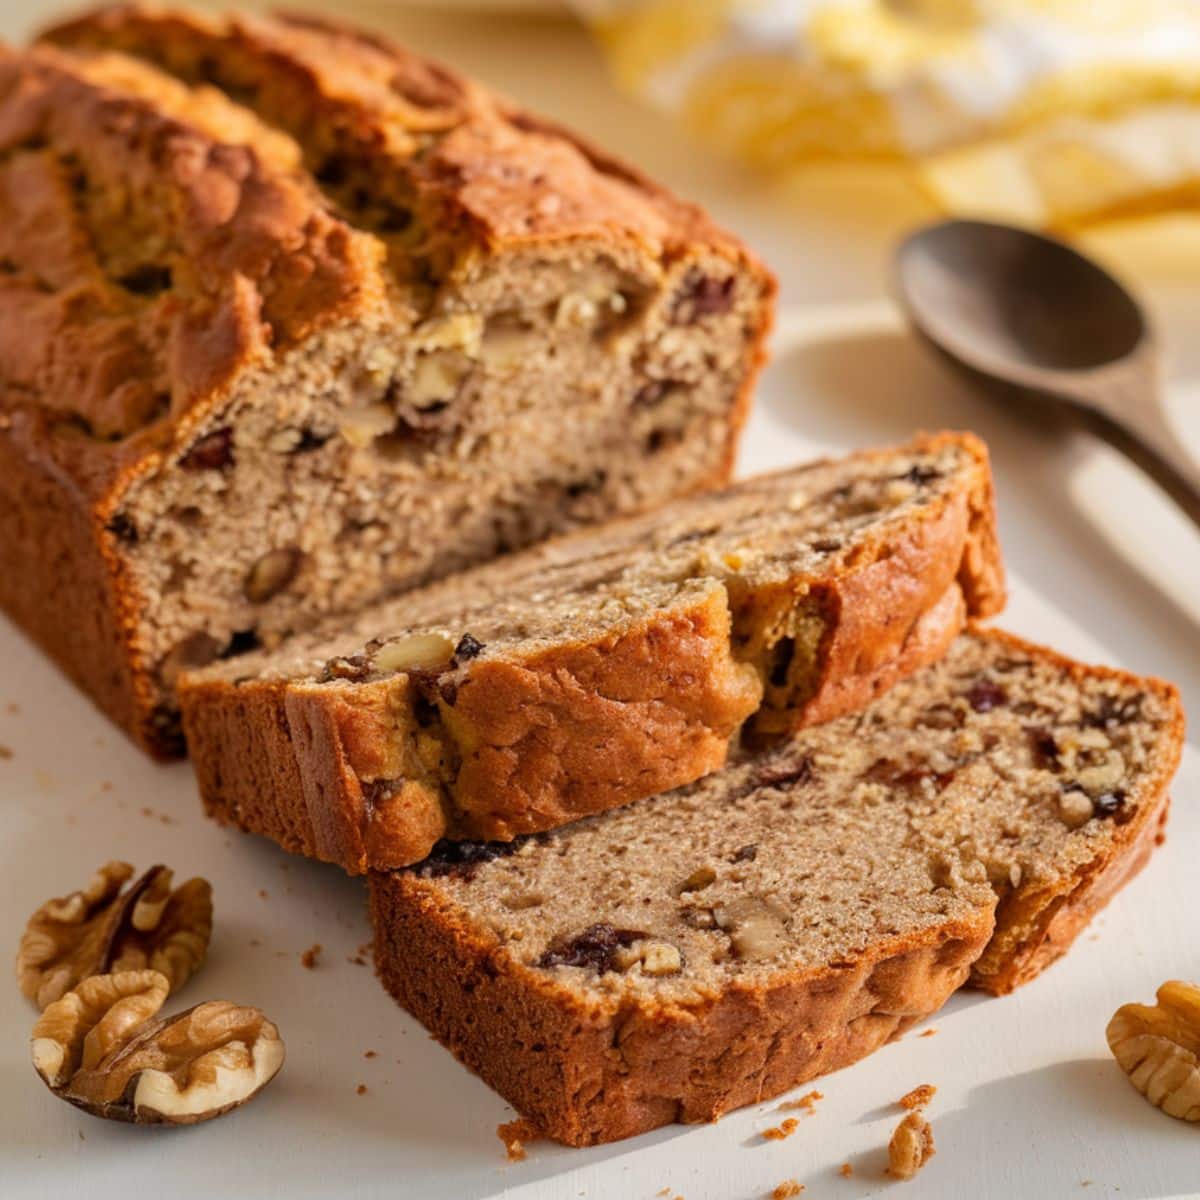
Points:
[(291, 319), (602, 667), (715, 946)]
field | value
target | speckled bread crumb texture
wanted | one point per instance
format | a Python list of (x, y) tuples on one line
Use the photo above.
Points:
[(293, 319), (489, 705), (895, 851)]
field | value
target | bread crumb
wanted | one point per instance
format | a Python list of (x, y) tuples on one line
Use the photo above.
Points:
[(309, 957), (911, 1146), (918, 1097), (784, 1129), (361, 1090), (787, 1189), (262, 893), (5, 752), (845, 1170), (928, 1032), (255, 942), (370, 1054), (106, 785), (356, 959), (12, 708), (807, 1102), (514, 1135)]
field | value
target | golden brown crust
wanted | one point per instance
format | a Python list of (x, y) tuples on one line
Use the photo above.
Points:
[(591, 725), (1035, 926), (592, 1071), (587, 1073), (159, 240)]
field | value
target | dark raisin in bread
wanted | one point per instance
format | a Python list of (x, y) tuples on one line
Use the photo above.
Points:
[(291, 319), (600, 668), (715, 946)]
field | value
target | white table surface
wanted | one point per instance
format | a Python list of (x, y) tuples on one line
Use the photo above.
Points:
[(1029, 1103)]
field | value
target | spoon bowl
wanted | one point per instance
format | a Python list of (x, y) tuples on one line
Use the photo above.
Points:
[(1047, 324)]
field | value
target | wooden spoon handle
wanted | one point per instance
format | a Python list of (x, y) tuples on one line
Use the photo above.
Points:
[(1176, 475), (1123, 404)]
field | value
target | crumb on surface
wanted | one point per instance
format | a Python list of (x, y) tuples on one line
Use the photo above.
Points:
[(514, 1135), (370, 1054), (787, 1189), (929, 1032), (918, 1097), (106, 785), (5, 752), (12, 708), (361, 1090), (807, 1102), (310, 956), (845, 1170), (784, 1129), (255, 942), (263, 893)]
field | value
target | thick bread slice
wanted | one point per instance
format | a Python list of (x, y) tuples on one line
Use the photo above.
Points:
[(292, 319), (715, 946), (603, 667)]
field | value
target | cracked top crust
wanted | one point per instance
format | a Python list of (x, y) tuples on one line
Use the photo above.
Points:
[(185, 196)]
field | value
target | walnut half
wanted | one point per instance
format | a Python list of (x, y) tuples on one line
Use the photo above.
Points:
[(100, 1048), (1158, 1047), (102, 928)]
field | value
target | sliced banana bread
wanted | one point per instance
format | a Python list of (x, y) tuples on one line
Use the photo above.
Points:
[(602, 667), (291, 319), (715, 946)]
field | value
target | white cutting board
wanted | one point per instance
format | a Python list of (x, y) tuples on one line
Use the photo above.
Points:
[(1029, 1103)]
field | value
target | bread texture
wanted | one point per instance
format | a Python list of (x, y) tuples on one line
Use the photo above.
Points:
[(602, 667), (292, 319), (712, 947)]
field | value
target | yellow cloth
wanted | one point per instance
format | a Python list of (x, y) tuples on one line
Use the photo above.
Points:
[(1042, 111)]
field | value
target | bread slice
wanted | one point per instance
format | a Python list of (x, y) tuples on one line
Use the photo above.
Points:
[(713, 947), (603, 667), (292, 319)]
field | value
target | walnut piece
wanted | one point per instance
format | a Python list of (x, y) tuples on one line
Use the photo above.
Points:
[(911, 1146), (418, 651), (1158, 1047), (102, 929), (756, 927), (100, 1048)]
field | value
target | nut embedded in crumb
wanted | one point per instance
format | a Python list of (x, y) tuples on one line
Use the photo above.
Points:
[(1158, 1047), (787, 1189), (514, 1135), (784, 1129), (310, 956), (911, 1146), (918, 1097)]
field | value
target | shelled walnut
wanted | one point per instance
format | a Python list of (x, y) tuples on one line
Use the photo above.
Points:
[(100, 1048), (103, 928), (1158, 1047), (911, 1146)]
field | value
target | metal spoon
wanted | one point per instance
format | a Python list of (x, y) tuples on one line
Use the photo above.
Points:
[(1030, 316)]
